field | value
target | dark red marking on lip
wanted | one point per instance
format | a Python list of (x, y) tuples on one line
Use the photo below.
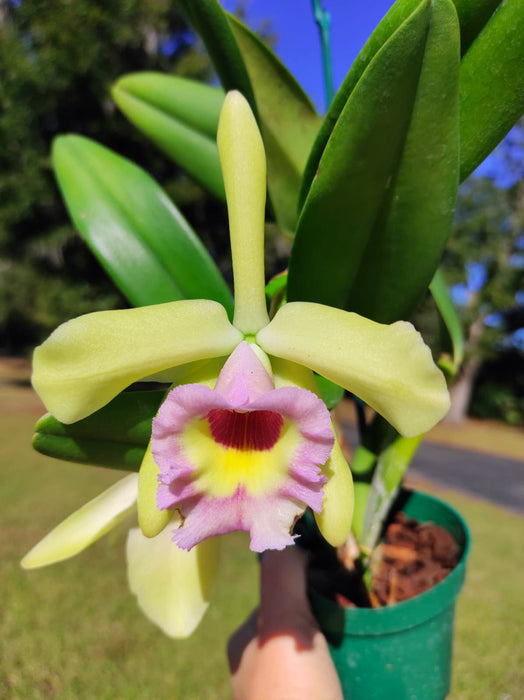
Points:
[(249, 430)]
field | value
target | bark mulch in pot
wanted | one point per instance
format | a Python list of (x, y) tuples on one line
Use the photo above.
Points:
[(412, 557)]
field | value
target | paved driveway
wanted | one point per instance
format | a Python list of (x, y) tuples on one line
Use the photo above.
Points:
[(496, 479)]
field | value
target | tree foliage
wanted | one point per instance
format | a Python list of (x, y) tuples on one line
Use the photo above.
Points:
[(484, 264), (57, 62)]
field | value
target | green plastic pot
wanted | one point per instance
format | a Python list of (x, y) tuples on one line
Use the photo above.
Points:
[(400, 652)]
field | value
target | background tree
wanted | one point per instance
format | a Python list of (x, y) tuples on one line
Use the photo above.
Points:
[(57, 62), (484, 263)]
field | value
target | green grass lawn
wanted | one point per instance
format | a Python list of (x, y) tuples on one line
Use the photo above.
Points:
[(73, 630)]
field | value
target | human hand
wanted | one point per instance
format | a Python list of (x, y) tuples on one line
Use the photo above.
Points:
[(279, 652)]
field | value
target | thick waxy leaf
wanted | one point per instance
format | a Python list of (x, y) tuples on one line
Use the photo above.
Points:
[(288, 122), (211, 23), (116, 436), (96, 453), (491, 46), (180, 116), (391, 466), (492, 84), (473, 16), (173, 587), (139, 236), (331, 393), (391, 22), (450, 319), (86, 525), (125, 419), (286, 116), (379, 211)]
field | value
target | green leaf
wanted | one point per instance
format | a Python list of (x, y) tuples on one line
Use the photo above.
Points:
[(331, 393), (288, 122), (137, 233), (277, 285), (116, 436), (492, 85), (449, 317), (380, 209), (286, 116), (391, 466), (211, 23), (473, 16), (180, 116), (97, 453), (400, 11)]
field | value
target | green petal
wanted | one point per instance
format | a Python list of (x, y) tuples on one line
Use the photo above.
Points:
[(151, 520), (89, 360), (173, 586), (243, 163), (86, 525), (389, 367), (334, 521)]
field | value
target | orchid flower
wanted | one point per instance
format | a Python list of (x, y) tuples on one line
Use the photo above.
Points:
[(242, 440)]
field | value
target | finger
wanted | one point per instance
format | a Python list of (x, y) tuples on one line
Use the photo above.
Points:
[(239, 641)]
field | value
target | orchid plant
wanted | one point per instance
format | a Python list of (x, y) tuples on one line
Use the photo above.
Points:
[(246, 444), (243, 439)]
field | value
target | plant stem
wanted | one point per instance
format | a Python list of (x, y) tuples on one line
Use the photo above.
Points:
[(323, 20)]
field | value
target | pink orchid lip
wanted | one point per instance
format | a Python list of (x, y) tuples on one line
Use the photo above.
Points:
[(241, 456)]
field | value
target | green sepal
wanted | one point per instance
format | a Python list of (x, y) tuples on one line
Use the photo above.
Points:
[(287, 118), (380, 209), (136, 232), (180, 117), (116, 436)]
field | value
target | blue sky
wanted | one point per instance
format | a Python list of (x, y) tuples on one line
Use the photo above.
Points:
[(298, 45)]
